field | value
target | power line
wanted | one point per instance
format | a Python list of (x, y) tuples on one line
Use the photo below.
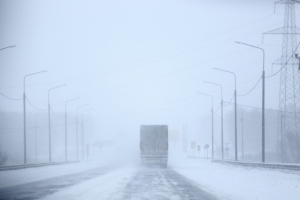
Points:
[(34, 106), (293, 54), (56, 114), (224, 119), (251, 89), (10, 98), (176, 49), (16, 129), (218, 108), (229, 101), (259, 108)]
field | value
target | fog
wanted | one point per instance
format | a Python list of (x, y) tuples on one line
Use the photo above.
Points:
[(135, 63)]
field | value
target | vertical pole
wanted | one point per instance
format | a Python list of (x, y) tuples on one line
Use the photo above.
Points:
[(24, 108), (66, 150), (77, 137), (263, 117), (282, 139), (242, 135), (222, 142), (212, 134), (50, 160), (235, 116), (82, 153), (35, 143)]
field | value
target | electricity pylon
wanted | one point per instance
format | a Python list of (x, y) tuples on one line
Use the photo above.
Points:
[(289, 94)]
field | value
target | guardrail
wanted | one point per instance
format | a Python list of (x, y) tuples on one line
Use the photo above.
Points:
[(16, 167), (261, 165), (206, 158)]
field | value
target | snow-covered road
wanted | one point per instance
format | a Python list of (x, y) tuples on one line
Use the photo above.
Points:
[(106, 183), (185, 178)]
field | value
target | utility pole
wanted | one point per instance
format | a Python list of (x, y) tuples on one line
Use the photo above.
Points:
[(242, 133), (235, 112), (289, 93), (24, 111), (77, 138), (221, 115), (49, 120), (82, 129), (66, 131), (263, 99), (212, 123)]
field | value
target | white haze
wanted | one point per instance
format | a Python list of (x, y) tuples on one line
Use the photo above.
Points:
[(135, 62)]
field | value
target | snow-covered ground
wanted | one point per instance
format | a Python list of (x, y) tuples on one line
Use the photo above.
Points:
[(239, 183), (29, 175), (220, 180), (107, 186)]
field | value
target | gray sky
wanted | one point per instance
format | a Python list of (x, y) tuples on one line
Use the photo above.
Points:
[(137, 61)]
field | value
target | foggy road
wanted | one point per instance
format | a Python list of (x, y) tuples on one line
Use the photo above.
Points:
[(139, 183), (155, 183), (46, 187)]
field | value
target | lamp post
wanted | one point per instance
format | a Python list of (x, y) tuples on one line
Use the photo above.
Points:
[(66, 131), (82, 135), (24, 111), (242, 133), (77, 155), (235, 114), (49, 120), (12, 46), (263, 99), (212, 123), (36, 135), (221, 114)]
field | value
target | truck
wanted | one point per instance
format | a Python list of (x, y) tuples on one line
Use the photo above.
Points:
[(154, 145)]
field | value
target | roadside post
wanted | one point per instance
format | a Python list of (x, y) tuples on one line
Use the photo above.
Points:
[(198, 149), (206, 147)]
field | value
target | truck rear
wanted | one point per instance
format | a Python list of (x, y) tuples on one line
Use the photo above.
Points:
[(154, 145)]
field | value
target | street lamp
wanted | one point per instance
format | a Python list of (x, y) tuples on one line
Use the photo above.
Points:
[(212, 123), (263, 99), (235, 114), (36, 136), (77, 129), (50, 159), (66, 138), (221, 114), (242, 133), (24, 111), (8, 47), (82, 129)]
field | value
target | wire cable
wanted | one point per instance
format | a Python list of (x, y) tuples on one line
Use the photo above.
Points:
[(34, 106), (224, 119), (251, 89), (285, 63), (10, 98), (229, 101), (261, 108), (218, 108), (56, 114)]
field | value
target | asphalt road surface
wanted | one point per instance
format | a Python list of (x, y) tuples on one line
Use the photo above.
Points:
[(160, 184), (144, 184)]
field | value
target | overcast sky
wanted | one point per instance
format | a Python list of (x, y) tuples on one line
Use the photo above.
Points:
[(137, 61)]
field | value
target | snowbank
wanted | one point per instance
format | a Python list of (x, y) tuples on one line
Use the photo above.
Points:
[(240, 183)]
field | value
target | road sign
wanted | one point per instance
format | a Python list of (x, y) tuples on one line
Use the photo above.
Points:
[(198, 147), (193, 145), (226, 149), (206, 146)]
